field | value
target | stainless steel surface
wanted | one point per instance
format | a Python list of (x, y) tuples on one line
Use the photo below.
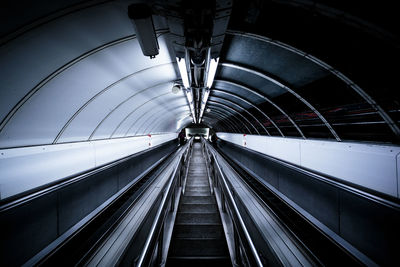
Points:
[(332, 205), (390, 122), (250, 104), (235, 112), (198, 236), (287, 88), (252, 92), (144, 230), (242, 109), (260, 231)]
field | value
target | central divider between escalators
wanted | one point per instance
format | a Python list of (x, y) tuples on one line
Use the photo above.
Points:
[(198, 237)]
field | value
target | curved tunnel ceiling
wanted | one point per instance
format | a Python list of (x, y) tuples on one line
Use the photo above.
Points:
[(75, 72)]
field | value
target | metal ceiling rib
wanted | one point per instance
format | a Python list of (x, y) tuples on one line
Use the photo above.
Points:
[(23, 110), (148, 119), (343, 16), (149, 106), (240, 108), (134, 110), (53, 75), (32, 20), (104, 90), (122, 103), (225, 120), (389, 121), (230, 117), (234, 111), (250, 104), (221, 120), (288, 89), (212, 123), (266, 99), (79, 104), (160, 124)]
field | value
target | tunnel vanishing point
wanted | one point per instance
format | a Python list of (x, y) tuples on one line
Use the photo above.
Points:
[(199, 133)]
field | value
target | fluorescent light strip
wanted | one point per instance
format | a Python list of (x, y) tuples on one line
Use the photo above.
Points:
[(204, 102), (185, 79), (212, 69), (182, 69), (205, 96), (192, 110), (201, 114), (189, 97)]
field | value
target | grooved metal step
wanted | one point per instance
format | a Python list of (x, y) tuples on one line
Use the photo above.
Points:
[(198, 237), (198, 261), (197, 208), (198, 247), (205, 188), (198, 218), (198, 231), (198, 200), (197, 183), (196, 193)]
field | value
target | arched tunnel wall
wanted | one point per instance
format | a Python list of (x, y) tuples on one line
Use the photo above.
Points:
[(74, 78), (23, 169), (361, 221), (310, 83), (57, 209), (371, 166)]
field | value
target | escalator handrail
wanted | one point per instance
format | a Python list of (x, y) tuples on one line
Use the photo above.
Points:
[(235, 209), (63, 239), (361, 191), (158, 221)]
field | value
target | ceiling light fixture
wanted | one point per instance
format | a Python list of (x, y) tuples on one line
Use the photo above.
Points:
[(206, 93), (212, 69), (142, 20), (212, 65), (185, 80), (175, 89), (183, 71)]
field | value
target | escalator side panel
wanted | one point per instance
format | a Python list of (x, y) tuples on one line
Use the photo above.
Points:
[(369, 226), (28, 228)]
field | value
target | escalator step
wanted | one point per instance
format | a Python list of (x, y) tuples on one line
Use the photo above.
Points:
[(198, 231), (205, 188), (198, 200), (198, 247), (198, 193), (198, 262), (198, 208), (203, 182), (198, 218)]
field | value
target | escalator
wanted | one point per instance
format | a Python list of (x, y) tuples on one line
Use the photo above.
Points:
[(198, 237), (191, 207)]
